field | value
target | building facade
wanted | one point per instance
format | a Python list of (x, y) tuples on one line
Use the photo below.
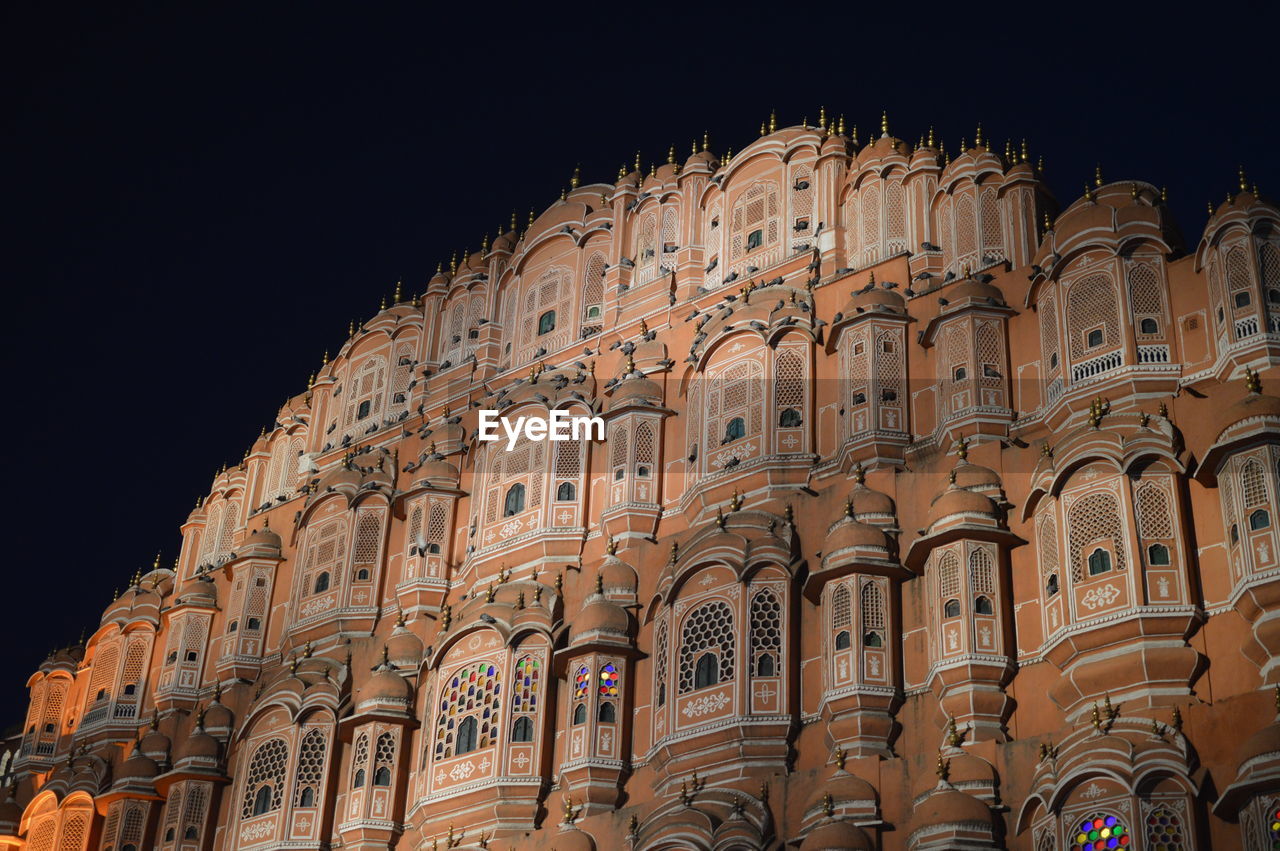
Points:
[(930, 514)]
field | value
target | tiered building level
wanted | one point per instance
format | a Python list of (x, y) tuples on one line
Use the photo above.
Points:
[(930, 514)]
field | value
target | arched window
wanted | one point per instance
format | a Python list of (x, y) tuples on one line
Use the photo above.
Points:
[(358, 782), (951, 609), (1094, 338), (766, 633), (514, 503), (873, 639), (580, 713), (842, 639), (262, 801), (707, 672), (607, 712), (1242, 299), (470, 705), (1099, 561), (1259, 519), (382, 776), (734, 430), (790, 418), (547, 322), (566, 492), (522, 730), (262, 789), (307, 798), (707, 646), (1157, 555), (1098, 831), (311, 768), (960, 374), (466, 740), (1051, 587), (1149, 326), (322, 583), (982, 606)]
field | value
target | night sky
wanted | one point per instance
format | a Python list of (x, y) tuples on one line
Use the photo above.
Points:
[(198, 199)]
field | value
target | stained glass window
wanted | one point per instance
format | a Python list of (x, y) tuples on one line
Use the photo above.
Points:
[(609, 681), (1164, 830), (1100, 832), (474, 693)]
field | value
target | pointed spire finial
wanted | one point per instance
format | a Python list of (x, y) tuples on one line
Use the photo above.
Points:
[(1097, 174), (773, 121), (576, 179), (884, 124), (840, 126), (977, 139)]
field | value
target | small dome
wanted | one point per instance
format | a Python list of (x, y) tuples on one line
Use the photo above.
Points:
[(1265, 741), (866, 501), (966, 768), (263, 537), (155, 744), (960, 501), (635, 387), (951, 807), (602, 616), (843, 787), (853, 534), (387, 685), (617, 575), (199, 745), (439, 471), (876, 297), (573, 839), (972, 288), (404, 649), (1251, 406), (971, 476), (138, 766), (197, 591), (837, 836), (218, 717)]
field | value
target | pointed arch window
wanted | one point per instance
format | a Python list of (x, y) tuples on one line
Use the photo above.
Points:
[(514, 502)]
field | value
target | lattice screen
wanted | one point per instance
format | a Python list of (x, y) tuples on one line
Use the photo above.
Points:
[(949, 576), (1091, 519), (1092, 302), (1154, 518), (841, 608), (766, 625), (311, 765), (981, 573), (872, 606), (266, 767), (708, 627)]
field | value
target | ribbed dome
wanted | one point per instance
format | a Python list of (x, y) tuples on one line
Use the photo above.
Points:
[(199, 745), (404, 648), (976, 476), (198, 591), (218, 717), (877, 297), (866, 501), (263, 537), (973, 288), (617, 575), (438, 470), (572, 839), (837, 836), (155, 744), (843, 787)]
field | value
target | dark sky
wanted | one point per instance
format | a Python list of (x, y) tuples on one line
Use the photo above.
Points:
[(197, 199)]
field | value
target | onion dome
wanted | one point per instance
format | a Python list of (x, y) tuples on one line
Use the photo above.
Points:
[(868, 503), (404, 649), (703, 159), (138, 767), (603, 620), (197, 591), (976, 477), (438, 472), (439, 281), (837, 836), (843, 787)]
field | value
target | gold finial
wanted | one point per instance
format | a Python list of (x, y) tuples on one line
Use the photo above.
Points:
[(720, 518), (396, 300), (1278, 698), (636, 169), (884, 124), (828, 805), (822, 117), (386, 657), (1209, 205), (706, 140), (1244, 184), (1095, 718), (840, 757), (1047, 224), (1133, 191), (488, 595), (840, 126), (599, 582), (1177, 719), (1008, 151), (446, 617), (848, 508), (311, 381), (1098, 409), (1252, 381), (1024, 156), (1097, 175), (307, 650), (977, 140), (1088, 192), (728, 156), (453, 265), (622, 172), (859, 474), (773, 121), (569, 813), (382, 303), (853, 137), (563, 194), (576, 180), (612, 547), (633, 825), (644, 327), (675, 551), (671, 155), (963, 148), (944, 768), (351, 328), (520, 600), (735, 501), (537, 594), (930, 142), (962, 448), (559, 583), (789, 514), (293, 665), (631, 365), (694, 148), (953, 735)]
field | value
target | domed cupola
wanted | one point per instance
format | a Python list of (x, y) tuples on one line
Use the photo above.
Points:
[(386, 691), (404, 648)]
